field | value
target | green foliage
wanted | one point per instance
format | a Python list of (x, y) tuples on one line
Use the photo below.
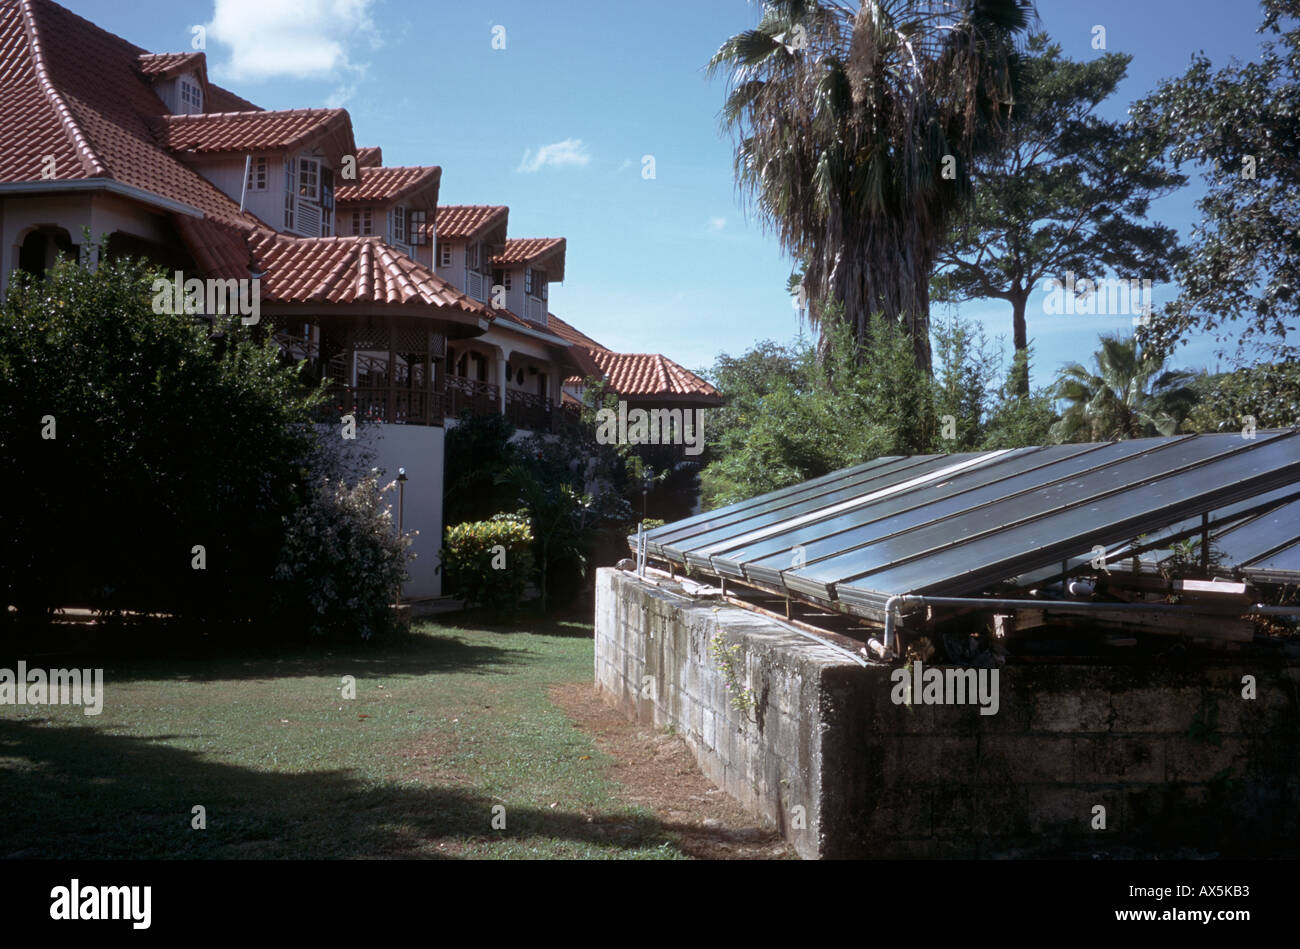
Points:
[(342, 561), (1240, 125), (1268, 393), (489, 562), (791, 416), (1129, 394), (1068, 194), (963, 377), (727, 656), (1015, 420), (477, 449), (167, 436), (548, 477)]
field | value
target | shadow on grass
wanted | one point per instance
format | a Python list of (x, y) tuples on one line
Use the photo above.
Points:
[(81, 793), (574, 626), (214, 658)]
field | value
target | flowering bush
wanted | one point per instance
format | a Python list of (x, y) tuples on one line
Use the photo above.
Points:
[(489, 562), (342, 562)]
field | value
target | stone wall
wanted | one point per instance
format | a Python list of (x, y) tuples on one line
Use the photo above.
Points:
[(1182, 764)]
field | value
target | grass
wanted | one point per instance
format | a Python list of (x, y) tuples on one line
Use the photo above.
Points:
[(446, 723)]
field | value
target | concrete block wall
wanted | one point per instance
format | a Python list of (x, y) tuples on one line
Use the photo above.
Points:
[(1182, 764)]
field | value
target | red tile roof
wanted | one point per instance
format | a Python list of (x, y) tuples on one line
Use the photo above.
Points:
[(348, 270), (643, 375), (546, 251), (650, 375), (464, 221), (217, 132), (369, 156), (74, 91), (382, 185), (166, 65)]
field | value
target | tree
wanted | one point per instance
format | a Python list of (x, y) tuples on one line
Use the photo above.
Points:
[(791, 416), (139, 444), (1241, 123), (1067, 195), (962, 383), (477, 449), (855, 127), (1129, 395), (1016, 420), (1266, 395)]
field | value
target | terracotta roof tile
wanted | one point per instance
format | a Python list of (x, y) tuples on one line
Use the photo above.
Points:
[(650, 375), (215, 132), (641, 375), (370, 156), (166, 65), (390, 184), (547, 251), (74, 91), (348, 270), (463, 221)]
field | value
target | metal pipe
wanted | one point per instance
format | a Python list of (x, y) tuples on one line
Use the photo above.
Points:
[(892, 605)]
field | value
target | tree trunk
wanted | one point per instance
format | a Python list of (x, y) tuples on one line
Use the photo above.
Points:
[(1021, 381)]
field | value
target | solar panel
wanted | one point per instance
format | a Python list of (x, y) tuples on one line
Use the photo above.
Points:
[(954, 524)]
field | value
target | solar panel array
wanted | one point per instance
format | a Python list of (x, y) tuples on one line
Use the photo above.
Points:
[(954, 525)]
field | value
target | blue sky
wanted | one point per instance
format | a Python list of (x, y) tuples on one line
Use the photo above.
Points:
[(558, 124)]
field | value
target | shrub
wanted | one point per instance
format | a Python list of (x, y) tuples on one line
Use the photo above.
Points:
[(342, 562), (489, 562), (166, 435)]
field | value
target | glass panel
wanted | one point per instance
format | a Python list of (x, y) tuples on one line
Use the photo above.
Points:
[(1075, 514)]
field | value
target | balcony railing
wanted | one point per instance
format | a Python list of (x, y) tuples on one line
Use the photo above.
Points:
[(389, 405), (469, 395)]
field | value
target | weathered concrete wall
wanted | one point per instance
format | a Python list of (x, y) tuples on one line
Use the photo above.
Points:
[(1181, 762)]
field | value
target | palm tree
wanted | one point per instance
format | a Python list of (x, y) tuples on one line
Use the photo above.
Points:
[(1129, 395), (856, 124)]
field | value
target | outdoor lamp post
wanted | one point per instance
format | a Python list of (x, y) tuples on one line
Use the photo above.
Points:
[(401, 509)]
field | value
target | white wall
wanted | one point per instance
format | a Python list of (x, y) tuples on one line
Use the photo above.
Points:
[(420, 450)]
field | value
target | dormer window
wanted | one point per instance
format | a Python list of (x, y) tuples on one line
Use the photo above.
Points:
[(501, 278), (190, 94), (535, 282), (418, 226), (444, 255), (471, 256), (399, 224), (362, 224)]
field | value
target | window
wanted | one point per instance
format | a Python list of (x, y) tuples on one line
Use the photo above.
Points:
[(471, 256), (501, 278), (257, 174), (528, 281), (309, 179), (535, 282), (418, 224), (288, 211), (444, 255), (191, 95), (361, 222), (399, 224)]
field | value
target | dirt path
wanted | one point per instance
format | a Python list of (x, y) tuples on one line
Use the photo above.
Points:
[(657, 771)]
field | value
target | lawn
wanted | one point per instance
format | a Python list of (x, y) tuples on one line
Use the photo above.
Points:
[(446, 724)]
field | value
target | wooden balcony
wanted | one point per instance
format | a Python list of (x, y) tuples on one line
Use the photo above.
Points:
[(388, 405), (470, 395)]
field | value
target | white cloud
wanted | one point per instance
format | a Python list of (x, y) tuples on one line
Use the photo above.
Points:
[(292, 39), (568, 153), (716, 224)]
